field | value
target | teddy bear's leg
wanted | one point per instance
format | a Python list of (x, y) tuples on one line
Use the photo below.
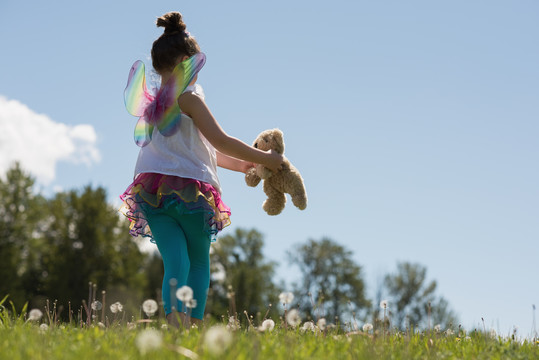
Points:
[(274, 204), (299, 199), (293, 185)]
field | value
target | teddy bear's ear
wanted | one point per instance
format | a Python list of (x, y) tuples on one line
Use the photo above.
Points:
[(278, 140)]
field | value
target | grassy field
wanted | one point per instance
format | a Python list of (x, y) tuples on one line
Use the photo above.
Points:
[(24, 338)]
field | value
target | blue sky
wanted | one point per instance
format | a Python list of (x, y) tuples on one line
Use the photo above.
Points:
[(414, 124)]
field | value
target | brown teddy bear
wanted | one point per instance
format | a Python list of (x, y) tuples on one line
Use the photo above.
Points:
[(287, 180)]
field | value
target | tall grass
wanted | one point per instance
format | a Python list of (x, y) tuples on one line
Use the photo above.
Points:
[(22, 338)]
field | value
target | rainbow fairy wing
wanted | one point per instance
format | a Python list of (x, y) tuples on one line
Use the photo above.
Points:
[(137, 99), (136, 95), (143, 131), (181, 77)]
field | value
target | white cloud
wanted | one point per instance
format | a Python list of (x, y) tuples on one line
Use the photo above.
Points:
[(38, 142)]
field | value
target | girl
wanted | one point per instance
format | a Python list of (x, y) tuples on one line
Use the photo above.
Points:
[(175, 198)]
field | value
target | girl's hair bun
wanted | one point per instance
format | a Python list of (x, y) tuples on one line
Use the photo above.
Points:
[(172, 22)]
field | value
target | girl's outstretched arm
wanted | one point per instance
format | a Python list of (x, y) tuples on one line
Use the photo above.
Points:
[(224, 143), (234, 164)]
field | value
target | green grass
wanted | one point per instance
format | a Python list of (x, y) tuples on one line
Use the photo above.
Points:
[(25, 340), (46, 338)]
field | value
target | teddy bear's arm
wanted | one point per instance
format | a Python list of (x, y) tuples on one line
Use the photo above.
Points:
[(251, 178)]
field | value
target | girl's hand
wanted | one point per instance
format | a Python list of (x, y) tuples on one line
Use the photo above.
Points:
[(246, 165), (274, 161)]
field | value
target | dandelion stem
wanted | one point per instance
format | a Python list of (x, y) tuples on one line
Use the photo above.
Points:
[(248, 320), (103, 293), (267, 312)]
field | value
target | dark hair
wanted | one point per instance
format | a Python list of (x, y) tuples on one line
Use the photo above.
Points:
[(173, 44)]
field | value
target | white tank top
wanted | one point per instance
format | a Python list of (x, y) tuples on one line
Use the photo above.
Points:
[(186, 154)]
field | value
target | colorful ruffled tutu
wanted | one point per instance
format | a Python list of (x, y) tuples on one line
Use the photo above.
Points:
[(153, 193)]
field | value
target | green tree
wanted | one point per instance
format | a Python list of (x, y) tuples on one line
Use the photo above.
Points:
[(330, 280), (87, 241), (412, 300), (20, 213), (246, 275)]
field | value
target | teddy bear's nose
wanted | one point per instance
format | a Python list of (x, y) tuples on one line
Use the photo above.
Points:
[(256, 145)]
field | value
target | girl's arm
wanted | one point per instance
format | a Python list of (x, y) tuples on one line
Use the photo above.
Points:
[(234, 164), (224, 143)]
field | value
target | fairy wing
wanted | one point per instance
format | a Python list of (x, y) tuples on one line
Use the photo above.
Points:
[(143, 131), (137, 99), (136, 95), (181, 77)]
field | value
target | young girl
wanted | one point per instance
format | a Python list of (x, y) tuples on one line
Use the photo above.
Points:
[(175, 198)]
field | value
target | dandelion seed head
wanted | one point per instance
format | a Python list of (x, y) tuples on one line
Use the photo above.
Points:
[(293, 318), (149, 307), (438, 328), (35, 315), (96, 305), (449, 332), (116, 308), (383, 304), (148, 339), (267, 325), (217, 339), (367, 327), (191, 304), (184, 294), (43, 327), (233, 324), (286, 297), (321, 324), (308, 326)]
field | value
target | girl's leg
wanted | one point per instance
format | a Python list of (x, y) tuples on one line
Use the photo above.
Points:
[(172, 245), (198, 246)]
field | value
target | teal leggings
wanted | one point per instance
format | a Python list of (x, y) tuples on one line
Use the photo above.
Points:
[(185, 248)]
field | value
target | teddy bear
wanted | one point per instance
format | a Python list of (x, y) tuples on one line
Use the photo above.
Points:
[(287, 180)]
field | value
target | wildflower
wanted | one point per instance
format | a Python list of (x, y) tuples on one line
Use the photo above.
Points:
[(217, 339), (438, 328), (101, 325), (191, 304), (149, 307), (131, 326), (34, 315), (308, 325), (233, 324), (267, 324), (286, 297), (43, 327), (449, 332), (293, 318), (96, 306), (367, 327), (149, 339), (321, 324), (116, 308), (383, 304), (184, 294)]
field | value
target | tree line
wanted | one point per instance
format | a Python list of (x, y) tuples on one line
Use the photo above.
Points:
[(53, 248)]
